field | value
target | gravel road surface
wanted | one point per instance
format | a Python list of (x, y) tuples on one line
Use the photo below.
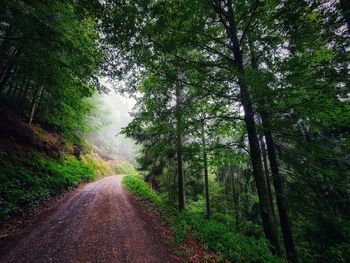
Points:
[(98, 222)]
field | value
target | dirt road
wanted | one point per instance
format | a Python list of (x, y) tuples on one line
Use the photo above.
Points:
[(99, 222)]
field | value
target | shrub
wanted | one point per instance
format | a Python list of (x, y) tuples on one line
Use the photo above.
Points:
[(99, 165), (125, 168), (137, 186), (26, 181), (211, 233)]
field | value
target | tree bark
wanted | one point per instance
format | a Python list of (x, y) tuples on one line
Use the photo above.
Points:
[(6, 72), (180, 168), (261, 185), (32, 113), (206, 181), (33, 107), (21, 90), (276, 179), (279, 190), (235, 196), (267, 176), (255, 153), (40, 102)]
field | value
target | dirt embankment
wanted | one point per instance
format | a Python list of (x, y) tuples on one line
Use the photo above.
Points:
[(17, 135)]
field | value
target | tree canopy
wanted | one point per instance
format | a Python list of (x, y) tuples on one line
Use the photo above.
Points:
[(259, 87), (50, 59), (242, 106)]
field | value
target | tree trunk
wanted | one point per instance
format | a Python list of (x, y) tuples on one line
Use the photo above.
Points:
[(180, 168), (255, 153), (206, 181), (6, 72), (169, 186), (267, 176), (40, 102), (23, 92), (261, 185), (4, 77), (33, 107), (235, 197), (280, 196), (277, 180), (32, 113)]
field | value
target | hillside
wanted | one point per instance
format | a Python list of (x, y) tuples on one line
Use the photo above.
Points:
[(37, 165)]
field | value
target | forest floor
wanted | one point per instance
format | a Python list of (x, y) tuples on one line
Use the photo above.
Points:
[(98, 222)]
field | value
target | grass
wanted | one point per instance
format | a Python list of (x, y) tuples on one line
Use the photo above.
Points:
[(125, 168), (98, 164), (211, 233), (137, 186), (26, 181)]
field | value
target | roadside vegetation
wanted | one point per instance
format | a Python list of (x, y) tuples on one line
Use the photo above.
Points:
[(30, 179), (125, 168), (214, 234), (242, 113)]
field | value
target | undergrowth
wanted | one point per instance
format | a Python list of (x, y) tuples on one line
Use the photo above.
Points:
[(98, 164), (26, 181), (125, 168), (137, 186), (211, 233)]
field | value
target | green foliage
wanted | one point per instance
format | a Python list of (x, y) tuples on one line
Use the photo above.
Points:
[(203, 82), (211, 233), (125, 168), (286, 60), (49, 60), (100, 166), (137, 186), (26, 181), (217, 236)]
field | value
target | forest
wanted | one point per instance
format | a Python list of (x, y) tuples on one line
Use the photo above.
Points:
[(242, 113)]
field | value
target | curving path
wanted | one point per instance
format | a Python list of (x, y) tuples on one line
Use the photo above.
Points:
[(98, 222)]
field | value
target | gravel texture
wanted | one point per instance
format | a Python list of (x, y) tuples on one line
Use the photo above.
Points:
[(98, 222)]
